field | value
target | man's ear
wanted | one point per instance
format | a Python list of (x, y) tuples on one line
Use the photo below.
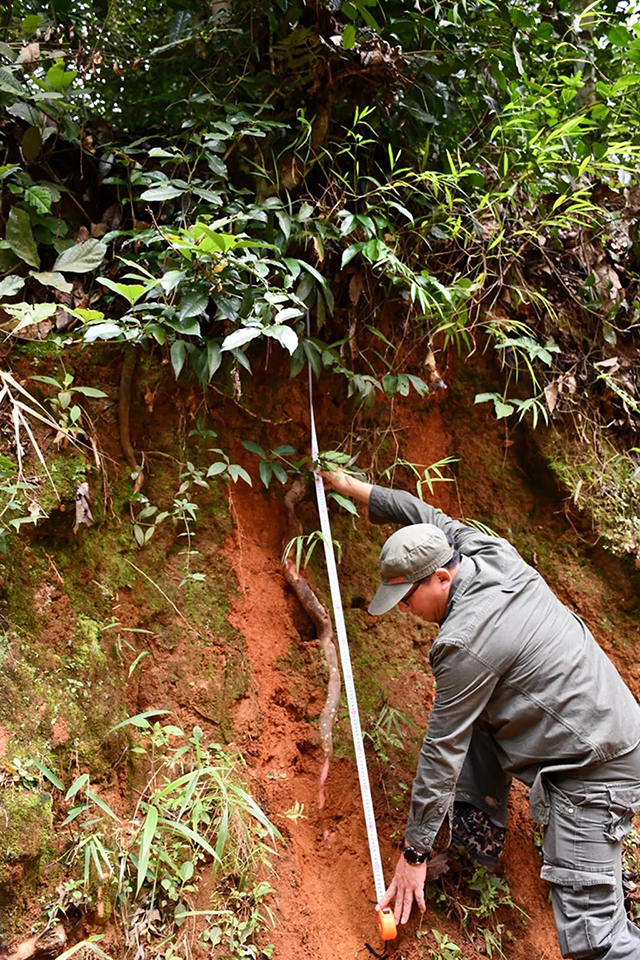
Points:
[(444, 576)]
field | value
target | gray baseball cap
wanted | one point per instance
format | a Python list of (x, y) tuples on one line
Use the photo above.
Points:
[(410, 554)]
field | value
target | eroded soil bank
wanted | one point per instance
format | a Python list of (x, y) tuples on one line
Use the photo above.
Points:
[(235, 654)]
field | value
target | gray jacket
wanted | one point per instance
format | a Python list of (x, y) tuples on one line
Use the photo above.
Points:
[(511, 654)]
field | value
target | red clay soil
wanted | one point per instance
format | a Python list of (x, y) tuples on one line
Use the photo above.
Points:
[(325, 897)]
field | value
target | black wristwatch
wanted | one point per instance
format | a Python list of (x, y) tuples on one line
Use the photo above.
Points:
[(412, 855)]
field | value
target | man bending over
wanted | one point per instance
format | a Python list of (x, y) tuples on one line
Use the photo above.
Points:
[(522, 690)]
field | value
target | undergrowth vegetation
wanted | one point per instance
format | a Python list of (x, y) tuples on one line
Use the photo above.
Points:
[(194, 825)]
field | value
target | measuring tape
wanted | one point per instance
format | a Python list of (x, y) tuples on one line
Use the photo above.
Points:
[(385, 917)]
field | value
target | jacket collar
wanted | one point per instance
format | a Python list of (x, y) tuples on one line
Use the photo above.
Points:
[(461, 581)]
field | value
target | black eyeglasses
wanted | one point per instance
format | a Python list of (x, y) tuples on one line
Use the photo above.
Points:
[(411, 592)]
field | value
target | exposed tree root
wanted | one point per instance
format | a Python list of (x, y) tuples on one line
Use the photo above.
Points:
[(315, 610), (124, 408)]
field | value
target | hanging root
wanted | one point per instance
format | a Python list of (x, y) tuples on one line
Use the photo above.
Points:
[(315, 610), (124, 407)]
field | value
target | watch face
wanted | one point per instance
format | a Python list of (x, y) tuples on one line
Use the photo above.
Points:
[(412, 856)]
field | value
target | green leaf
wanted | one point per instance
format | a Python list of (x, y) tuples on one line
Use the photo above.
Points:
[(130, 291), (10, 285), (350, 253), (50, 279), (172, 826), (77, 785), (102, 805), (289, 313), (9, 84), (502, 409), (265, 472), (237, 472), (178, 354), (89, 392), (284, 335), (214, 356), (31, 23), (239, 337), (102, 331), (193, 304), (19, 236), (162, 192), (39, 198), (148, 836), (140, 720), (349, 36), (619, 36), (59, 78), (254, 448), (51, 777), (81, 257), (343, 501), (279, 472)]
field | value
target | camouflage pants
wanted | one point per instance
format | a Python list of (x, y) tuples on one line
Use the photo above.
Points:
[(582, 848)]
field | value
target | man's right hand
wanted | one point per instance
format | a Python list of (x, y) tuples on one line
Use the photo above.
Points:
[(347, 485)]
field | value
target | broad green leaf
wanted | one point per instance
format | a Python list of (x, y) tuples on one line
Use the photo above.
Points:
[(171, 279), (161, 152), (10, 285), (50, 279), (237, 472), (349, 36), (289, 313), (162, 192), (343, 501), (284, 335), (31, 23), (254, 448), (265, 470), (193, 304), (89, 392), (102, 331), (350, 253), (279, 472), (502, 409), (9, 84), (131, 292), (239, 337), (38, 197), (178, 354), (81, 257), (59, 78), (19, 236), (148, 836)]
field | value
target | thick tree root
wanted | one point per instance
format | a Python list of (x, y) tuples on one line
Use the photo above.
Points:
[(315, 610), (124, 407)]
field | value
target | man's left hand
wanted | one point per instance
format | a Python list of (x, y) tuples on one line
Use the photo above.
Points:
[(406, 886)]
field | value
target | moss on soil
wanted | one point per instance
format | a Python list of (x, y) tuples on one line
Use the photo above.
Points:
[(25, 836)]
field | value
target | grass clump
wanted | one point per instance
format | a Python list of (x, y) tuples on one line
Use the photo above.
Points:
[(605, 483), (195, 830)]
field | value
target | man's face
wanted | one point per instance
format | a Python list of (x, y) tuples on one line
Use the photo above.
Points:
[(428, 601)]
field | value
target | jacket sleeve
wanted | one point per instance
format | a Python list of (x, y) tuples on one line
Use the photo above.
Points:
[(398, 506), (464, 685)]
